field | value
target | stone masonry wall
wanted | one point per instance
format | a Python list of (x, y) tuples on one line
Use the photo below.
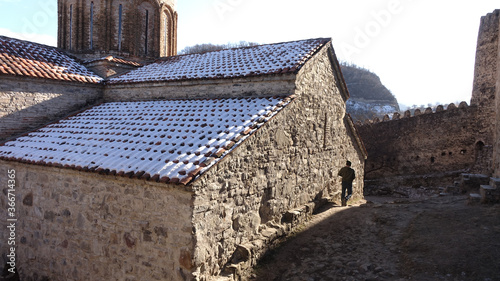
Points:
[(491, 24), (83, 226), (247, 199), (257, 86), (485, 70), (486, 87), (26, 104), (428, 149)]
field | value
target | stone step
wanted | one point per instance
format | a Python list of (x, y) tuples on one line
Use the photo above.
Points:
[(474, 198), (471, 182), (489, 194), (495, 182), (487, 187)]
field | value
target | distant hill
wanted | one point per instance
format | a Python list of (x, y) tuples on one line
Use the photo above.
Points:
[(369, 97), (209, 47)]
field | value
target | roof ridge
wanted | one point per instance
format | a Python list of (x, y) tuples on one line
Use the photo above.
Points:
[(268, 59)]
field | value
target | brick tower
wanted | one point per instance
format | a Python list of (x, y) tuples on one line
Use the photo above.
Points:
[(136, 29)]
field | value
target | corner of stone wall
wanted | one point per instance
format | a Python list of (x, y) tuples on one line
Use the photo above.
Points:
[(247, 255)]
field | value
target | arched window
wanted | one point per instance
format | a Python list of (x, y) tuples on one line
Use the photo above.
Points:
[(92, 25), (146, 33), (146, 15), (120, 23), (165, 34)]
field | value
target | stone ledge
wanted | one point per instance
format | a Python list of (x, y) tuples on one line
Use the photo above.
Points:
[(474, 199), (489, 194)]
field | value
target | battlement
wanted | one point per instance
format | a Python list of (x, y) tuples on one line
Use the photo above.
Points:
[(432, 147), (407, 114)]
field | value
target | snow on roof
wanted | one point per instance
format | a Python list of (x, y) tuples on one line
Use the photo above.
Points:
[(118, 60), (23, 58), (231, 63), (171, 141)]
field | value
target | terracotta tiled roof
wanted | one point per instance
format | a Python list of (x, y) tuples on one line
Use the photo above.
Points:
[(116, 60), (170, 141), (22, 58), (231, 63)]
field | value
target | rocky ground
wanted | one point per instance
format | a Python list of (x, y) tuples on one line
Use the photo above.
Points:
[(436, 238)]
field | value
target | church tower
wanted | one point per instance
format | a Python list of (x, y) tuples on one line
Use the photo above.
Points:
[(135, 29)]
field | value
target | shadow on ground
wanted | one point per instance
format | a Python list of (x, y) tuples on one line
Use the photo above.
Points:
[(391, 239)]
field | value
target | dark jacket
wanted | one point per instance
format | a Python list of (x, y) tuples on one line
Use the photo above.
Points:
[(347, 174)]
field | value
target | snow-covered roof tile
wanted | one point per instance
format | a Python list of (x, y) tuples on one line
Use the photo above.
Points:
[(231, 63), (171, 141), (115, 60), (23, 58)]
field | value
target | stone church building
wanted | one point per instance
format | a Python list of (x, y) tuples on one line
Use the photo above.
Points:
[(132, 163)]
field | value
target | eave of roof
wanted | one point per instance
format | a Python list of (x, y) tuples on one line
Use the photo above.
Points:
[(357, 136), (28, 59)]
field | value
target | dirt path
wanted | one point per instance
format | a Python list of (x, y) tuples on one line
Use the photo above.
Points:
[(435, 239)]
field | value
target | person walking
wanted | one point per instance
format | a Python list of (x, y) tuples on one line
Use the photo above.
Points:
[(348, 175)]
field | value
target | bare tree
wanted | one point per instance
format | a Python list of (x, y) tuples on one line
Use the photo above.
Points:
[(208, 47)]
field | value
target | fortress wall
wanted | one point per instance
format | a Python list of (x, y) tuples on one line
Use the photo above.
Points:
[(429, 148), (493, 22), (486, 90), (485, 70)]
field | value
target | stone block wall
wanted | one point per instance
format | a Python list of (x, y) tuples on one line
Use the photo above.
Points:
[(429, 149), (290, 162), (84, 226), (225, 88), (486, 89), (486, 66), (26, 104), (493, 22)]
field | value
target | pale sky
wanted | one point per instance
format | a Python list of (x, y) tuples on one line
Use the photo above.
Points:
[(423, 50)]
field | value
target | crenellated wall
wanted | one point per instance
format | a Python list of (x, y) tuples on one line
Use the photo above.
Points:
[(430, 148), (417, 112)]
